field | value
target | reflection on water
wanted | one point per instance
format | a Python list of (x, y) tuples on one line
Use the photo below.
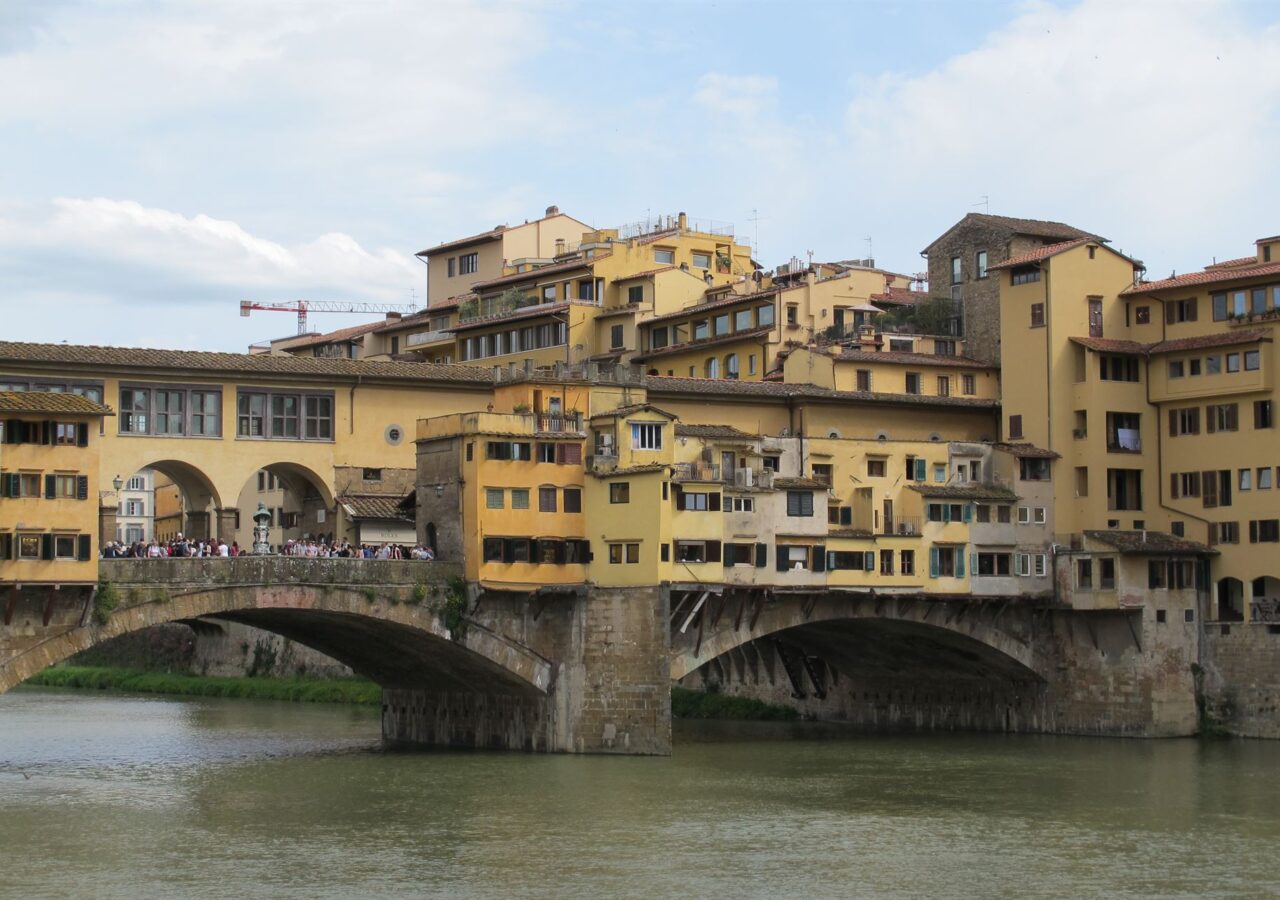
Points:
[(113, 796)]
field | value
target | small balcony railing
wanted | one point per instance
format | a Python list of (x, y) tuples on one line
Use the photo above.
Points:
[(695, 471), (559, 422)]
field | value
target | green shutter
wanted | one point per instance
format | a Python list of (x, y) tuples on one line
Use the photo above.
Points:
[(935, 564), (762, 555), (82, 487), (819, 558), (50, 487), (782, 558), (46, 546), (83, 548), (920, 469), (82, 435), (968, 512), (959, 552), (869, 561)]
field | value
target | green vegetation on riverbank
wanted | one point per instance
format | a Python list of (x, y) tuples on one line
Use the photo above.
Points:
[(686, 704), (302, 690)]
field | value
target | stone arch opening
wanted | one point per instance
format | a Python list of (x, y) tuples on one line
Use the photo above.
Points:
[(300, 502), (159, 500), (1230, 596)]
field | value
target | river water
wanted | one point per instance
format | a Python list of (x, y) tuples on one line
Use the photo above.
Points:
[(110, 796)]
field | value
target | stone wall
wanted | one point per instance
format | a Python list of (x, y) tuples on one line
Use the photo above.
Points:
[(1240, 686)]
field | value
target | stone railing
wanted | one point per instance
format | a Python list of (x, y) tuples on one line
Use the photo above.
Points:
[(273, 570), (1265, 611)]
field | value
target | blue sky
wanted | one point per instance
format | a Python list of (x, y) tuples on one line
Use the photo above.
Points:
[(162, 161)]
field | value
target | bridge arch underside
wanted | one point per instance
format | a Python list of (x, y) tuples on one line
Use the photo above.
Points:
[(883, 674), (380, 632)]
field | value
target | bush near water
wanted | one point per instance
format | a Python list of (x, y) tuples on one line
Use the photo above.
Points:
[(303, 690)]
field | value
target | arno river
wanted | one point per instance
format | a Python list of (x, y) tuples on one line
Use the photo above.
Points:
[(121, 797)]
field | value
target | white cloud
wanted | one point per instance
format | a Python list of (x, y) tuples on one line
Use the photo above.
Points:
[(737, 95)]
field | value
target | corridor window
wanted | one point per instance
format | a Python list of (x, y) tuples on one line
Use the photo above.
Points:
[(620, 492), (281, 416), (493, 498), (519, 498), (206, 413), (284, 416), (168, 412)]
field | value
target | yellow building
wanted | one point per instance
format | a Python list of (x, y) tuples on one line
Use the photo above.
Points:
[(170, 510), (51, 488)]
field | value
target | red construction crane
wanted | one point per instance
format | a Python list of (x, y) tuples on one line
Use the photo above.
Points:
[(301, 306)]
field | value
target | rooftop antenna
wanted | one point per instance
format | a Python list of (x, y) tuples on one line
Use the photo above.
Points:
[(870, 252), (755, 236), (985, 204)]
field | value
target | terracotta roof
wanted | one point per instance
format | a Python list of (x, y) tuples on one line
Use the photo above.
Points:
[(342, 334), (913, 359), (375, 506), (1033, 227), (491, 234), (808, 483), (1205, 341), (655, 236), (528, 312), (1232, 263), (579, 262), (50, 402), (632, 470), (693, 346), (723, 432), (665, 384), (714, 304), (628, 410), (1110, 345), (193, 361), (1208, 276), (1156, 543), (645, 274), (849, 533), (964, 491), (899, 296), (1039, 253), (617, 311), (1026, 451)]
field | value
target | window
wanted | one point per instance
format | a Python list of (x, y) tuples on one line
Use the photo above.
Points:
[(1107, 574), (993, 564), (168, 412), (1176, 311), (875, 468), (799, 503), (1124, 432), (1037, 315), (519, 498), (635, 294), (1033, 469), (1221, 417), (1264, 531), (546, 499), (468, 263), (968, 385), (1024, 275), (1244, 480), (944, 348), (1264, 478), (139, 483), (1118, 368), (206, 413), (982, 513), (615, 337), (700, 259), (1084, 574), (664, 257), (1142, 315), (913, 382), (586, 290), (955, 270), (1015, 426), (946, 512), (1252, 360), (371, 475), (692, 551), (742, 320), (1175, 368), (1184, 421), (740, 554), (793, 314), (939, 472), (572, 500), (764, 316), (658, 338), (823, 472), (907, 562), (886, 562), (770, 463), (646, 436), (982, 263), (514, 450), (251, 414), (944, 386), (620, 492), (493, 498), (1226, 533), (740, 504), (697, 501), (453, 260), (1193, 367), (711, 368), (1233, 362), (946, 562), (863, 380)]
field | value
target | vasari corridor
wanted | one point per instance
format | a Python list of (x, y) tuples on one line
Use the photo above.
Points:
[(902, 531)]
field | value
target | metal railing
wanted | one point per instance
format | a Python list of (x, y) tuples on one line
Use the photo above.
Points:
[(559, 422), (695, 471)]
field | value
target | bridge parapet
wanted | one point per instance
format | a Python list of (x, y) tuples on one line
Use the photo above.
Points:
[(268, 570)]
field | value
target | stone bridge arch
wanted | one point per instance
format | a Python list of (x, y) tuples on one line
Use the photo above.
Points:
[(381, 618), (994, 634)]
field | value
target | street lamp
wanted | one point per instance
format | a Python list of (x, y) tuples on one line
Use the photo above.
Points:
[(117, 483)]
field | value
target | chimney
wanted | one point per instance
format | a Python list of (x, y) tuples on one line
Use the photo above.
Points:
[(552, 211), (393, 317), (682, 222), (559, 244)]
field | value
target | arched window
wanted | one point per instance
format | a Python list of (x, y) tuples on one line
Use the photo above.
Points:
[(712, 369), (731, 365)]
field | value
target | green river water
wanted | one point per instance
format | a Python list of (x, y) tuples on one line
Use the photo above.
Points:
[(115, 796)]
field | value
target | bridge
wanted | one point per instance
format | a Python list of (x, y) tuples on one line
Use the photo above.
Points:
[(586, 669)]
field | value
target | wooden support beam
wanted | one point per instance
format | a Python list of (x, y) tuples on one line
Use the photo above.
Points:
[(697, 606), (720, 602), (10, 604), (742, 605), (807, 609), (903, 610), (685, 596), (48, 608), (1093, 635), (1128, 619), (697, 648)]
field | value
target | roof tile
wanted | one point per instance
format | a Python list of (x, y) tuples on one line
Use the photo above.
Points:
[(1207, 276), (50, 403)]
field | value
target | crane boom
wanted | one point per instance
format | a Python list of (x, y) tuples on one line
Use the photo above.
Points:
[(302, 306)]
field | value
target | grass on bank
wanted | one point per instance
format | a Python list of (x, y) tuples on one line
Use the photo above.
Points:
[(302, 690), (687, 704)]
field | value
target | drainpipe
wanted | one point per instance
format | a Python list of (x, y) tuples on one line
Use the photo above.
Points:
[(351, 406), (1048, 358)]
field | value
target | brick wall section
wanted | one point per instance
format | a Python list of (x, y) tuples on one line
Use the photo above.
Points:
[(1241, 682)]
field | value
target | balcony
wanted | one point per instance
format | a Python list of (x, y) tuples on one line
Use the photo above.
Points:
[(902, 526), (752, 478), (559, 423), (602, 462), (695, 471)]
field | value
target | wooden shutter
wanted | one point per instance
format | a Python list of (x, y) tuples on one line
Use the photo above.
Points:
[(713, 502), (869, 561), (50, 487), (1209, 486), (762, 555), (1211, 420), (1233, 417), (679, 497), (569, 454), (1191, 308), (1169, 312), (713, 551), (1253, 532), (846, 515), (665, 553), (46, 546), (82, 435), (818, 558), (82, 487), (1173, 485), (83, 547), (782, 557), (1194, 486), (1173, 423), (1213, 533)]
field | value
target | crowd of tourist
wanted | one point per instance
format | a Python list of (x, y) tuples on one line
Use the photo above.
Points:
[(181, 547)]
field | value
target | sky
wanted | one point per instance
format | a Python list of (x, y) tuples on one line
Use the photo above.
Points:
[(162, 161)]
